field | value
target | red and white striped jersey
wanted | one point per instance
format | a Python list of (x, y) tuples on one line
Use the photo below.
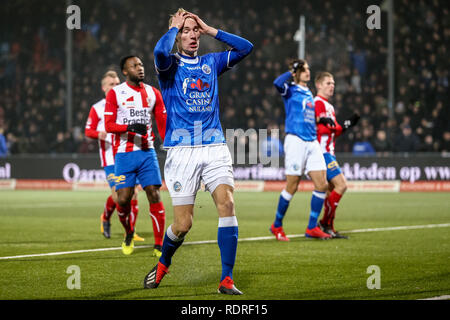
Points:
[(326, 135), (96, 124), (127, 104)]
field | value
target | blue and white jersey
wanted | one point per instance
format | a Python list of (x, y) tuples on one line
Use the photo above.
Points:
[(189, 86), (299, 105)]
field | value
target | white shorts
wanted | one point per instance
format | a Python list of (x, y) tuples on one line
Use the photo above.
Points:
[(302, 156), (187, 167)]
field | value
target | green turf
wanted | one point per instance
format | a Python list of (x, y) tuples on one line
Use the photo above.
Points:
[(414, 263)]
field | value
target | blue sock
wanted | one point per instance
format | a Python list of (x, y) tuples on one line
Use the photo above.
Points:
[(316, 207), (227, 239), (283, 204), (170, 244)]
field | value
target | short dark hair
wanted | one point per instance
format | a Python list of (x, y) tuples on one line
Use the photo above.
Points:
[(124, 60)]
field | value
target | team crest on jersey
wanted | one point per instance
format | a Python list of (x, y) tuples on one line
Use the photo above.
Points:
[(206, 69), (194, 84), (177, 186)]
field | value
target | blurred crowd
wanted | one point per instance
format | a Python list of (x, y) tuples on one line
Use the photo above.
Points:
[(33, 80)]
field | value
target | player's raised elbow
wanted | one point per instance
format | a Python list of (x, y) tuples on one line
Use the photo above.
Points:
[(278, 85), (248, 48)]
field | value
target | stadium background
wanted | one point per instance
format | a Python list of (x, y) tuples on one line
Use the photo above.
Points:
[(404, 233), (33, 80)]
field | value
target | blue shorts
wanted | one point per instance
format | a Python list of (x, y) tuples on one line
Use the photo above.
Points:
[(333, 168), (110, 176), (136, 167)]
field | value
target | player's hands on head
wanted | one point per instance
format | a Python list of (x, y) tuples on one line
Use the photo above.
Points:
[(178, 20), (138, 128), (327, 122), (203, 27)]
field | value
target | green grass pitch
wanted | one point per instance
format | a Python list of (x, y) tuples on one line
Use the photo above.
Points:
[(414, 263)]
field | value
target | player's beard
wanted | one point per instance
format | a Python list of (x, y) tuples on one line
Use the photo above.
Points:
[(136, 79)]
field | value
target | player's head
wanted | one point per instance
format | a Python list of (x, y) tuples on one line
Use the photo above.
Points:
[(300, 70), (132, 68), (188, 37), (325, 84), (109, 80)]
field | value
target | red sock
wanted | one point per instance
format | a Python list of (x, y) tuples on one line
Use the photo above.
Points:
[(134, 212), (326, 212), (110, 205), (331, 204), (124, 213), (158, 215)]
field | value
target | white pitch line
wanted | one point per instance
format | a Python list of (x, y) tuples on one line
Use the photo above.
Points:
[(445, 297), (426, 226)]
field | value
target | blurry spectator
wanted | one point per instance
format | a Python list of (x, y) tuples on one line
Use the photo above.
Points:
[(359, 61), (356, 81), (364, 147), (58, 146), (445, 146), (3, 144), (407, 141), (381, 144), (428, 145)]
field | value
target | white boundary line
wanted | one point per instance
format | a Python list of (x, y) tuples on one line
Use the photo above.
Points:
[(445, 297), (426, 226)]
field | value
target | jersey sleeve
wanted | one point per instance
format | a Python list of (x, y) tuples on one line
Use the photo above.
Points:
[(240, 48), (320, 109), (90, 130), (338, 130), (163, 58), (111, 114), (160, 114), (281, 85)]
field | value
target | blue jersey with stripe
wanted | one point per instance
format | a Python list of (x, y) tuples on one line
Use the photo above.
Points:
[(299, 106), (189, 86)]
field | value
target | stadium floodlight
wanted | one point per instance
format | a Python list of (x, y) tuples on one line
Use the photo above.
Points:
[(299, 36)]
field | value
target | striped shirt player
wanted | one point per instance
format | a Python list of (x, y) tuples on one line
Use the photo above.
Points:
[(326, 135), (302, 151), (95, 129), (197, 150), (130, 108), (94, 126), (328, 129), (128, 104)]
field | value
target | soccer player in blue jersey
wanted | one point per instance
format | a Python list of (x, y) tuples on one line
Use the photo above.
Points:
[(302, 151), (197, 150)]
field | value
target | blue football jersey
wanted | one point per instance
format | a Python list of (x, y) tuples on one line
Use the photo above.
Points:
[(191, 95), (190, 90), (299, 105)]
